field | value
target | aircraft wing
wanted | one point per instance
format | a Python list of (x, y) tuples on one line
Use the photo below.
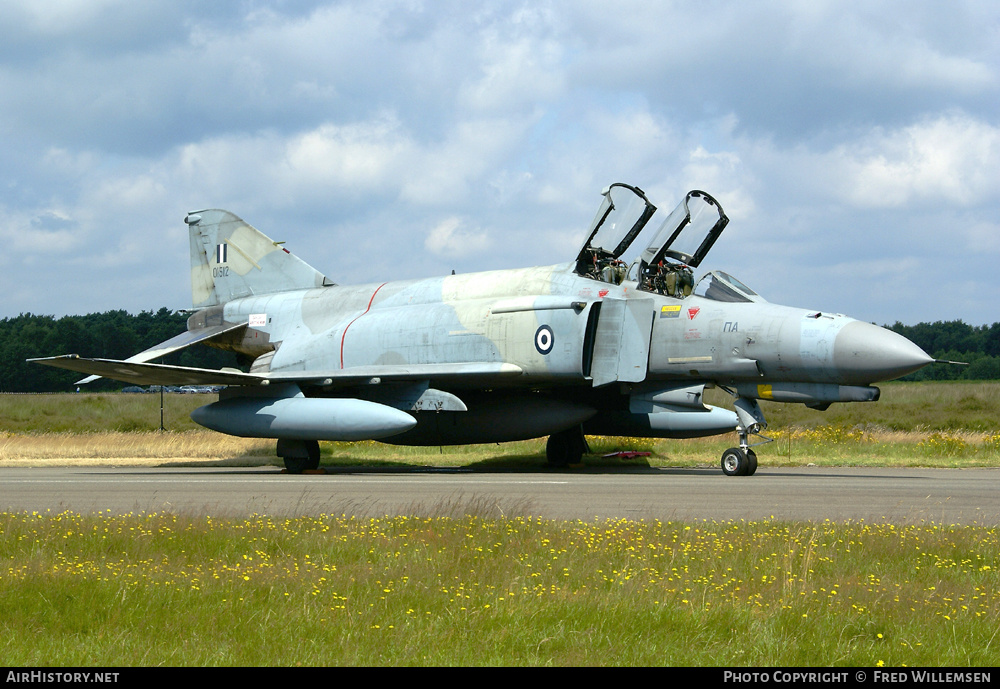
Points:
[(402, 372), (144, 373)]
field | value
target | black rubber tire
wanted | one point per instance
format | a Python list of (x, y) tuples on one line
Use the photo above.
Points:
[(297, 464), (735, 462), (565, 448)]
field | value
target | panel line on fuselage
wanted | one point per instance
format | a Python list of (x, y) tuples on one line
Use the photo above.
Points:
[(344, 334)]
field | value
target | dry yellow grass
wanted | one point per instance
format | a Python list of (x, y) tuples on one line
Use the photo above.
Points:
[(100, 447)]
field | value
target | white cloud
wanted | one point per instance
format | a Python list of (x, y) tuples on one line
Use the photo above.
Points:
[(952, 158), (826, 130), (57, 17), (447, 172), (452, 238), (360, 156), (515, 76), (29, 236), (720, 174)]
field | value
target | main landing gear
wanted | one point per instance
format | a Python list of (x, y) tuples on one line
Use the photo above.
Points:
[(299, 455), (742, 461), (565, 447)]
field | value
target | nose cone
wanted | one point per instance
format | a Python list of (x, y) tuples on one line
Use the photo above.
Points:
[(866, 353)]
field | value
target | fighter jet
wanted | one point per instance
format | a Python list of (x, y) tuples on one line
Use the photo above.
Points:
[(621, 341)]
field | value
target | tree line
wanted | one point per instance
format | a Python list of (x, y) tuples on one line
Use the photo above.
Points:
[(119, 335), (977, 346), (109, 335)]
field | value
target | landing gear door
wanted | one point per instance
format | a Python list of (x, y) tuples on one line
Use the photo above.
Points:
[(621, 346), (688, 233)]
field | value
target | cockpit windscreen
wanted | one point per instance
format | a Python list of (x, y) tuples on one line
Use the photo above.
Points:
[(721, 286)]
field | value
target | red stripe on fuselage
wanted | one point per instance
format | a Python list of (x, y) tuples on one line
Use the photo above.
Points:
[(344, 335)]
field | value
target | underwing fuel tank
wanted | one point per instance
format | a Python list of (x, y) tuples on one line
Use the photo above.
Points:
[(810, 394), (666, 423), (303, 418)]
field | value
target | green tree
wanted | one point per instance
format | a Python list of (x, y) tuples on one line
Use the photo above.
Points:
[(109, 335)]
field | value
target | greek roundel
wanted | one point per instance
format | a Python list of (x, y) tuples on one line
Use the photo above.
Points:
[(544, 339)]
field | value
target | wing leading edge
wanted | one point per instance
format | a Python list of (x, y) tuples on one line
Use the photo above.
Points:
[(145, 373)]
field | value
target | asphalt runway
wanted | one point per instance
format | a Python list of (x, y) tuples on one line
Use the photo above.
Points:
[(941, 496)]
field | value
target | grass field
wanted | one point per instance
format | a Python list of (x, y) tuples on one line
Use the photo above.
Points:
[(914, 424), (937, 406), (463, 588), (163, 589)]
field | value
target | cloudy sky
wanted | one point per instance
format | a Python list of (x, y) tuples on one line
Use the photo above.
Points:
[(854, 145)]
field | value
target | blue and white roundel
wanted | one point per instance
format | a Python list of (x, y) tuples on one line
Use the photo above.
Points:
[(544, 339)]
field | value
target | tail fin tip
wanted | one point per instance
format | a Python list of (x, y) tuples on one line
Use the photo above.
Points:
[(231, 259)]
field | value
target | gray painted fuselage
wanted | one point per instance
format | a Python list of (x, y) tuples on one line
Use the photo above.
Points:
[(496, 317), (593, 346)]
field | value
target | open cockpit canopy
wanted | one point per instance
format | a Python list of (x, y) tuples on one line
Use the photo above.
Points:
[(689, 232), (623, 214), (680, 243)]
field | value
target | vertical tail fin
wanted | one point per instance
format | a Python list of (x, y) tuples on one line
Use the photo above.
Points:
[(231, 259)]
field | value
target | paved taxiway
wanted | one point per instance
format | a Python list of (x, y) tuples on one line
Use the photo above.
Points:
[(948, 496)]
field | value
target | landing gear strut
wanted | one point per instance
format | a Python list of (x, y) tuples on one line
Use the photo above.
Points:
[(299, 455), (742, 461), (565, 447)]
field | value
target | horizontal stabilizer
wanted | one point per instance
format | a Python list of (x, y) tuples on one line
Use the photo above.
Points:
[(174, 344), (185, 339), (139, 373)]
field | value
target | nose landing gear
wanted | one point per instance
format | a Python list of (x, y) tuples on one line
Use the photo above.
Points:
[(739, 462), (742, 461)]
